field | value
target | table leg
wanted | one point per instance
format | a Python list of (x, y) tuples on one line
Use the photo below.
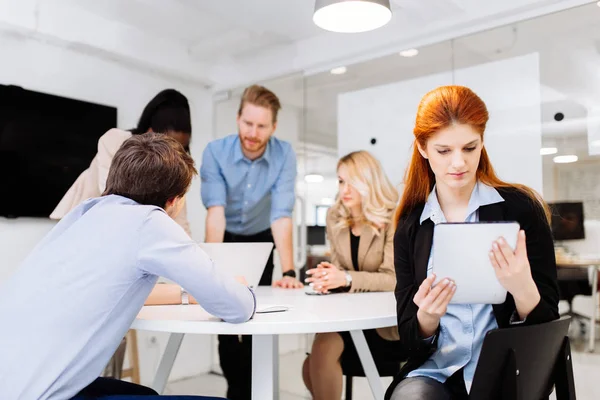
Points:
[(166, 362), (592, 343), (366, 359), (265, 367)]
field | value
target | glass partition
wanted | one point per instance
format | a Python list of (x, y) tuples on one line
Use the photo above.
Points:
[(539, 78)]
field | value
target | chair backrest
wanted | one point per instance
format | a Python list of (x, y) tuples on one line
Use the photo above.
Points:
[(520, 363)]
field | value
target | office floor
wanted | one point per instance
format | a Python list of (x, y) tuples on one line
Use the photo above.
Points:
[(586, 369), (290, 382)]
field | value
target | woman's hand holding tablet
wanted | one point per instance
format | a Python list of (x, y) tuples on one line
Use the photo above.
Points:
[(432, 303), (514, 272)]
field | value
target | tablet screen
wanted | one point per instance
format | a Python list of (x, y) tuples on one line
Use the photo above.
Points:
[(461, 252)]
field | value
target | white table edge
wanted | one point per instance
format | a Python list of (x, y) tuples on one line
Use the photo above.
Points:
[(251, 328)]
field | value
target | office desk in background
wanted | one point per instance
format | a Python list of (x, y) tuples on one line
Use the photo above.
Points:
[(574, 262), (308, 314)]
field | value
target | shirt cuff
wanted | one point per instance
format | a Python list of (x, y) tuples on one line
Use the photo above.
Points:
[(214, 203), (430, 339), (280, 214), (514, 319)]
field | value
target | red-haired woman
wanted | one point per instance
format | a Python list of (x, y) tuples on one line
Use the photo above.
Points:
[(450, 179)]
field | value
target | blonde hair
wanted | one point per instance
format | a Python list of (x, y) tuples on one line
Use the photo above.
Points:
[(379, 198)]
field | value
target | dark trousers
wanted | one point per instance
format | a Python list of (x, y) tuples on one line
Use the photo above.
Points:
[(113, 389), (235, 352)]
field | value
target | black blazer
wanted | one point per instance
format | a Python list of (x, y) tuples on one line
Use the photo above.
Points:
[(412, 247)]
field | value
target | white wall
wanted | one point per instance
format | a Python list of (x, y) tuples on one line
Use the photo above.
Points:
[(314, 193), (593, 130), (510, 88), (52, 69)]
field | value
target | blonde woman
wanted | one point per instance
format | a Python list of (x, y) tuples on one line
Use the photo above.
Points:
[(361, 234)]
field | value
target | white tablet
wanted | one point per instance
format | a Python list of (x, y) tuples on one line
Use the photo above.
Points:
[(461, 252)]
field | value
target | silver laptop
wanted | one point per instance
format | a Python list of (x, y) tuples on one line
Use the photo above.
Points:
[(240, 259)]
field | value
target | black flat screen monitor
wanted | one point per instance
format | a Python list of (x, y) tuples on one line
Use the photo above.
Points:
[(567, 221), (316, 236), (46, 141)]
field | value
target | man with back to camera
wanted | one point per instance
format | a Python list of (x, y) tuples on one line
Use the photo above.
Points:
[(248, 187), (92, 273)]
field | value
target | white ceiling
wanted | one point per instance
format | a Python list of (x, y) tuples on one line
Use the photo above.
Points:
[(227, 43), (567, 43)]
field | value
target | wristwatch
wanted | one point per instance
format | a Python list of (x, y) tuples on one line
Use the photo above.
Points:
[(291, 273), (185, 297), (348, 279)]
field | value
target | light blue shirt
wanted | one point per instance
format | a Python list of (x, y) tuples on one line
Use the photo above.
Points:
[(463, 327), (254, 193), (67, 307)]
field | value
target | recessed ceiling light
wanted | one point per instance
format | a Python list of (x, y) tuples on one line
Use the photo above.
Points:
[(338, 70), (347, 16), (545, 151), (313, 178), (565, 159), (409, 53)]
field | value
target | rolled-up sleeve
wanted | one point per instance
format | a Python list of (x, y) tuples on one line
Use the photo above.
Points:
[(212, 188), (283, 194)]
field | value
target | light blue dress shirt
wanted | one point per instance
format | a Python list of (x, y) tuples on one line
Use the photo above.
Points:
[(463, 327), (65, 310), (254, 193)]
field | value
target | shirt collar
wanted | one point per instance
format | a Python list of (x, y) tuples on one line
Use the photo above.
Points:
[(238, 155), (482, 195)]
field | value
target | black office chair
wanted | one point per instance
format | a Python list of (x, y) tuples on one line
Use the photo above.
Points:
[(525, 363), (355, 369), (573, 282)]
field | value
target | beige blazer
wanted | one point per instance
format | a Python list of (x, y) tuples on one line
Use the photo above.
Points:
[(375, 261), (92, 182)]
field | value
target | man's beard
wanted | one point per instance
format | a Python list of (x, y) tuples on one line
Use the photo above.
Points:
[(254, 146)]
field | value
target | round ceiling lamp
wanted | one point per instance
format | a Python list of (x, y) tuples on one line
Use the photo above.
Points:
[(351, 16)]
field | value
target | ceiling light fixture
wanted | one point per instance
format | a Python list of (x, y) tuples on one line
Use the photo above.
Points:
[(546, 151), (565, 159), (338, 70), (351, 16), (314, 178), (409, 53)]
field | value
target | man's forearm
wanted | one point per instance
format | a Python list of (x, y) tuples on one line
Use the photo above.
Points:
[(165, 294), (282, 233), (215, 225)]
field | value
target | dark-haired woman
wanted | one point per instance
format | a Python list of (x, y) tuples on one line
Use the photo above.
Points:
[(168, 113)]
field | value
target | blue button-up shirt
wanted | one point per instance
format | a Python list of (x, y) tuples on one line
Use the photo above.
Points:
[(254, 193), (67, 307), (463, 327)]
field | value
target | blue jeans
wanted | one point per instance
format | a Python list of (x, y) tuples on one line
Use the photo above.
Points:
[(113, 389)]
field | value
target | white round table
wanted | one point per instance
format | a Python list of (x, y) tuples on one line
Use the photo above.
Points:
[(307, 314)]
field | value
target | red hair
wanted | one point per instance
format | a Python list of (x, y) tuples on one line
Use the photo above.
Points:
[(439, 109)]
